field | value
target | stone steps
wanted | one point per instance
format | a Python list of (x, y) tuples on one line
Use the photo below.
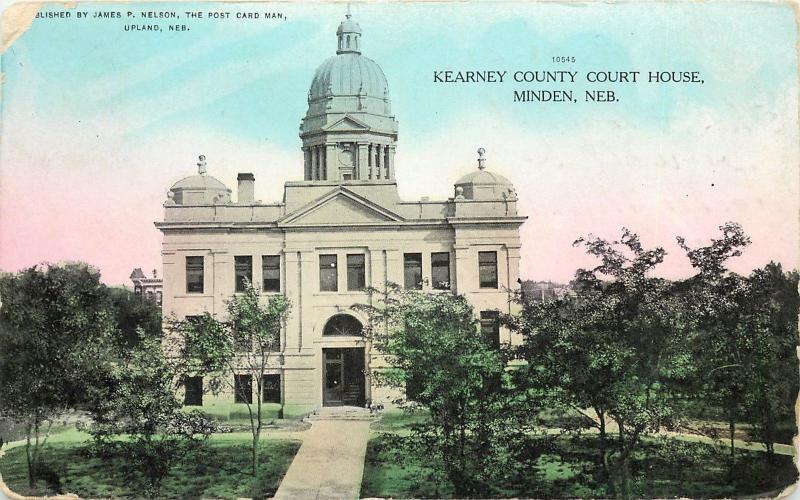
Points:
[(341, 413)]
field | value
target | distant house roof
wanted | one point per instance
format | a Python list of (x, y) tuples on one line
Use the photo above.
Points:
[(138, 274)]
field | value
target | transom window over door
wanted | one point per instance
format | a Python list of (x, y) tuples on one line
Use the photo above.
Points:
[(487, 269), (412, 271), (343, 324)]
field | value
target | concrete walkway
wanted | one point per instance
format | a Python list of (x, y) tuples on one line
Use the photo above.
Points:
[(330, 462)]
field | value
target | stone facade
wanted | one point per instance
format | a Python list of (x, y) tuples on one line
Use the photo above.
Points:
[(340, 229)]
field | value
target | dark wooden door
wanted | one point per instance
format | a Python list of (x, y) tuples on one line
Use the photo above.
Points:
[(332, 378), (353, 393), (343, 380)]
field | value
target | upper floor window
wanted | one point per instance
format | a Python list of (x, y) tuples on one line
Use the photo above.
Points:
[(194, 274), (412, 271), (328, 274), (440, 270), (242, 389), (243, 265), (490, 327), (487, 269), (356, 273), (271, 273), (193, 391)]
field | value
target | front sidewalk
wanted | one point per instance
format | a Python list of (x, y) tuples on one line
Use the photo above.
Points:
[(330, 463)]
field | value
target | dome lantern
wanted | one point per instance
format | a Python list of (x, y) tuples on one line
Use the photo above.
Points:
[(349, 35)]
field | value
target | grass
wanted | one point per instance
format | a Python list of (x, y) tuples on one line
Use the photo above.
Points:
[(220, 470), (569, 468)]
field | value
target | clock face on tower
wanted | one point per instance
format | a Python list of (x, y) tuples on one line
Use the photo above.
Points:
[(346, 156)]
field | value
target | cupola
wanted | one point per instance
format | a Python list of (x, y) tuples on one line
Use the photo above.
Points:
[(200, 189), (483, 184)]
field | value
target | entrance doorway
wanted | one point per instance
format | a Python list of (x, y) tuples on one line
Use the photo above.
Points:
[(343, 377)]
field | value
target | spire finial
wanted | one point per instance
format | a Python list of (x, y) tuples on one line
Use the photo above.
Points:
[(481, 159), (348, 11), (201, 164)]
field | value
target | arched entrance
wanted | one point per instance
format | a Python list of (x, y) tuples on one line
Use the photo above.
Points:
[(343, 375)]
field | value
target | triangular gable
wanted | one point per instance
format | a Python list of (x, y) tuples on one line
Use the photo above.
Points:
[(346, 124), (340, 207)]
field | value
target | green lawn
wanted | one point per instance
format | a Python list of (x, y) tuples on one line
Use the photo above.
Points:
[(569, 468), (220, 470)]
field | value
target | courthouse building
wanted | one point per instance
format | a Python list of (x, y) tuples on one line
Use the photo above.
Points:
[(340, 229)]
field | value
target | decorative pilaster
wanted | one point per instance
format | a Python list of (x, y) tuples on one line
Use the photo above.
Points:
[(362, 162), (307, 164), (464, 269), (331, 172), (314, 162), (390, 161), (375, 172)]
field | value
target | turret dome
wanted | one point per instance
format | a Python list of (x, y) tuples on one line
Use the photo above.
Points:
[(200, 189), (484, 185)]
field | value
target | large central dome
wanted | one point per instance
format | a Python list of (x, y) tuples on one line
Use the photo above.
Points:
[(349, 132), (349, 74)]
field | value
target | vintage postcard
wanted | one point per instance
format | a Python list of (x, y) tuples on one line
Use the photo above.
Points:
[(399, 249)]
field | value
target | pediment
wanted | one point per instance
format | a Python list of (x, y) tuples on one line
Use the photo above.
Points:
[(346, 124), (340, 208)]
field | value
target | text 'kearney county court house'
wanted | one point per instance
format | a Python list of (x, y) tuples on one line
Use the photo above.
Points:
[(340, 229)]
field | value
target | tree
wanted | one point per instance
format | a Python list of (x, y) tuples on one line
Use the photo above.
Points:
[(55, 333), (132, 313), (137, 416), (616, 346), (438, 357), (243, 344), (718, 299), (772, 325)]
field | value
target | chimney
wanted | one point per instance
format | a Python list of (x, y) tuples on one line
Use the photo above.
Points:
[(247, 184)]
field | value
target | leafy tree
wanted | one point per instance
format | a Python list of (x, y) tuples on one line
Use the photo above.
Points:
[(615, 346), (718, 300), (772, 325), (243, 344), (437, 355), (137, 416), (55, 333), (133, 312)]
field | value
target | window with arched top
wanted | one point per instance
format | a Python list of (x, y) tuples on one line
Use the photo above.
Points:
[(343, 324), (348, 41)]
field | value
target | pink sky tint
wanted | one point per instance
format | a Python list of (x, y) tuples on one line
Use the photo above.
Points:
[(91, 193)]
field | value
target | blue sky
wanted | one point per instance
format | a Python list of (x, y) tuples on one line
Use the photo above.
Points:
[(101, 105)]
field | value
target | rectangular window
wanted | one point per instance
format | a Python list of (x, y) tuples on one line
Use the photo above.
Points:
[(490, 327), (243, 265), (193, 391), (328, 275), (412, 271), (242, 389), (271, 272), (356, 275), (440, 270), (487, 269), (271, 388), (194, 274)]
